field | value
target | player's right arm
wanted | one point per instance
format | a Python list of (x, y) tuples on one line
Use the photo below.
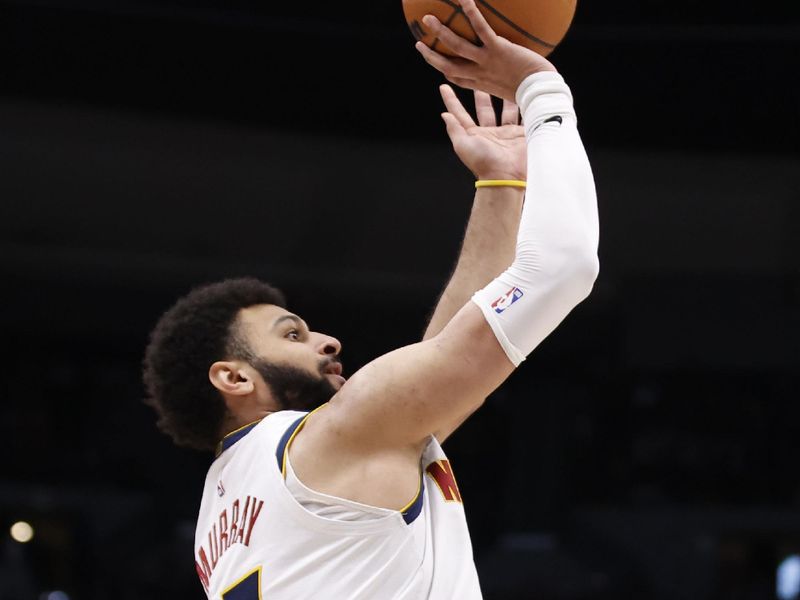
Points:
[(393, 404)]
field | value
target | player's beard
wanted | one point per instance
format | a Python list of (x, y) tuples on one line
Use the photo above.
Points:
[(293, 388)]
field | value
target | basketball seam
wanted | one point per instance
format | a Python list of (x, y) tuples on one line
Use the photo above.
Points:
[(516, 27), (452, 5)]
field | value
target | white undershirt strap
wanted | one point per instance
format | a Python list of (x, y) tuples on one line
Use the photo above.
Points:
[(330, 507)]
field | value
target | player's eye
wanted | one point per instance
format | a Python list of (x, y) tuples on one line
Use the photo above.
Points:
[(293, 335)]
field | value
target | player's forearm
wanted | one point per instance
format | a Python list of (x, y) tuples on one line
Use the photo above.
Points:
[(486, 251), (556, 262)]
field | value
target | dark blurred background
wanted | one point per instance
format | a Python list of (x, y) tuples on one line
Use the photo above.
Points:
[(647, 449)]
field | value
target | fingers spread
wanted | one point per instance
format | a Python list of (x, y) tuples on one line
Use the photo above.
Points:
[(510, 114), (433, 58), (453, 41), (484, 109), (455, 107), (485, 33)]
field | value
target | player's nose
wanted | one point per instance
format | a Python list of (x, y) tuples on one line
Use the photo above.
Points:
[(328, 346)]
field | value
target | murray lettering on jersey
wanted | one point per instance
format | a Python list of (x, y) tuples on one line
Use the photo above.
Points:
[(234, 526)]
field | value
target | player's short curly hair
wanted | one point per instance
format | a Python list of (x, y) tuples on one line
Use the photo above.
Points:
[(188, 338)]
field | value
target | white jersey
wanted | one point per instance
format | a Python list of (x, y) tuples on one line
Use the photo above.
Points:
[(255, 539)]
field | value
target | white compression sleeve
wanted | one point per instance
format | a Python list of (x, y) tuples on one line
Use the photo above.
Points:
[(556, 258)]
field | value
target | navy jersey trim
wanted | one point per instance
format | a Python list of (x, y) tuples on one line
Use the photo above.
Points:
[(233, 437), (284, 441), (413, 511)]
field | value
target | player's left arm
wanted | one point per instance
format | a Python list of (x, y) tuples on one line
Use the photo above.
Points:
[(491, 151)]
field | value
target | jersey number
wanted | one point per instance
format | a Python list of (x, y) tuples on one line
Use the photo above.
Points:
[(247, 588)]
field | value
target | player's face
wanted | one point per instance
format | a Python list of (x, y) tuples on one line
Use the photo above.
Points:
[(300, 366)]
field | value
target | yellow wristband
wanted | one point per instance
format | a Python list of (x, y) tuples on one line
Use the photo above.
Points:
[(500, 182)]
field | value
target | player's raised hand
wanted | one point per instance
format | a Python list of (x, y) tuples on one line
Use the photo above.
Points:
[(497, 66), (488, 149)]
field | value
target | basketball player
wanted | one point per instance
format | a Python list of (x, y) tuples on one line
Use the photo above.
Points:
[(339, 489)]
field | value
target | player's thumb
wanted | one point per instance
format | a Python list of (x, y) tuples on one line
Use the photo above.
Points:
[(454, 128)]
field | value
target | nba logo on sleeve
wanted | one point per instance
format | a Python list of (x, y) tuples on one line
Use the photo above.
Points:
[(506, 300)]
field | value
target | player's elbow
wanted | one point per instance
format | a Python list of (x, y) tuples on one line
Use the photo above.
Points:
[(569, 270), (586, 273), (577, 274)]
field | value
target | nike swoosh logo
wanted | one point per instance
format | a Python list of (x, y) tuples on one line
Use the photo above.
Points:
[(555, 119)]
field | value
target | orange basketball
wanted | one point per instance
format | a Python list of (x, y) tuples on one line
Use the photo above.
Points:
[(536, 24)]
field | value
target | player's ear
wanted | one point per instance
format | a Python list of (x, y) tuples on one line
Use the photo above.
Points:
[(231, 377)]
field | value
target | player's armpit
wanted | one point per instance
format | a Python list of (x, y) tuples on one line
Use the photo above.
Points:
[(401, 398)]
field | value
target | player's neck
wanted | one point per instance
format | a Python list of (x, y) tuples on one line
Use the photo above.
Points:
[(233, 423)]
